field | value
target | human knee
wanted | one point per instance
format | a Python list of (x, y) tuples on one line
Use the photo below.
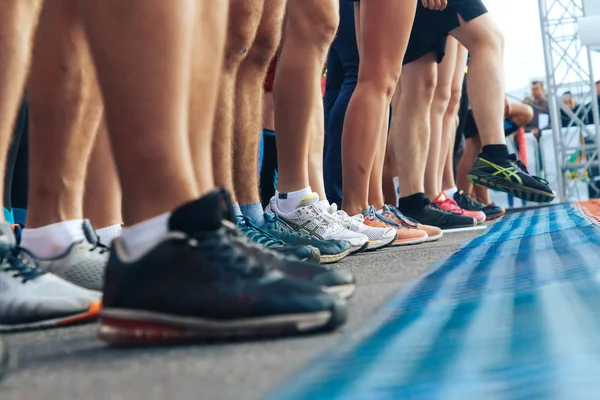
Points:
[(486, 38), (314, 21), (241, 32)]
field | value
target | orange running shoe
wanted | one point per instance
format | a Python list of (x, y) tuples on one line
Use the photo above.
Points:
[(393, 214), (405, 236), (448, 204)]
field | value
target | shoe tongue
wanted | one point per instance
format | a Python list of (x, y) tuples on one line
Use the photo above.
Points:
[(90, 232), (441, 197), (7, 236), (311, 199), (205, 214)]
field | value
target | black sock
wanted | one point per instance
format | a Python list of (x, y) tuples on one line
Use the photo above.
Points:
[(414, 203), (497, 151)]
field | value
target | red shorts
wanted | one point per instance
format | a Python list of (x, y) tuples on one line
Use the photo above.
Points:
[(270, 78)]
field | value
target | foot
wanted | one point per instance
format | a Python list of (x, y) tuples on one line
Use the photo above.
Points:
[(206, 280), (83, 263), (377, 237), (312, 211), (448, 204), (32, 299), (404, 236), (432, 215), (338, 281), (259, 236), (312, 222), (472, 203), (511, 176), (392, 213)]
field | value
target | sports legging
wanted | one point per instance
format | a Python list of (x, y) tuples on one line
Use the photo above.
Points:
[(15, 180)]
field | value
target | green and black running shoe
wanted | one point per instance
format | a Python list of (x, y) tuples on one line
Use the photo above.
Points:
[(511, 176)]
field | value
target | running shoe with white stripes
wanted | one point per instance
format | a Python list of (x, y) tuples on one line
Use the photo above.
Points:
[(377, 237), (312, 220)]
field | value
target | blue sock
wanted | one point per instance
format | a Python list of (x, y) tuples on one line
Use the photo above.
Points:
[(254, 212), (236, 210), (20, 215), (8, 216)]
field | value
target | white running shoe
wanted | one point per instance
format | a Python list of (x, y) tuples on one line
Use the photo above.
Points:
[(378, 237), (32, 299), (310, 218)]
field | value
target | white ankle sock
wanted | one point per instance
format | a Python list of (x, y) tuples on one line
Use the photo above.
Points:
[(52, 240), (139, 238), (450, 192), (288, 202), (109, 233)]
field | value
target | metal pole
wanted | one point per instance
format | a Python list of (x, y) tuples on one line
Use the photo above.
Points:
[(553, 101)]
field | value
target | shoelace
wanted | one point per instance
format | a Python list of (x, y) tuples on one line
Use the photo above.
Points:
[(238, 253), (398, 214), (343, 217), (256, 234), (523, 168), (13, 258), (371, 214)]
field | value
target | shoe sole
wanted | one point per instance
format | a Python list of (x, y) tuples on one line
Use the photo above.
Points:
[(495, 217), (333, 258), (343, 291), (358, 250), (410, 242), (124, 327), (434, 238), (88, 316), (518, 191)]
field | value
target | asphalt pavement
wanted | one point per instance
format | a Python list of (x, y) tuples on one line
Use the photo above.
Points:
[(72, 364)]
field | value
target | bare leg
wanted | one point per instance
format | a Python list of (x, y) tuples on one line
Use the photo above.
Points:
[(18, 20), (315, 156), (376, 197), (468, 159), (310, 28), (445, 167), (410, 123), (249, 106), (102, 202), (65, 106), (205, 86), (148, 112), (388, 24), (483, 194), (242, 25), (439, 106), (485, 43)]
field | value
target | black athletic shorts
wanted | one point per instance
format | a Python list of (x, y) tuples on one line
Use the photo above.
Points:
[(431, 28)]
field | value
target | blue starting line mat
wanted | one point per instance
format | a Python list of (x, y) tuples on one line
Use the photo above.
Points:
[(513, 315)]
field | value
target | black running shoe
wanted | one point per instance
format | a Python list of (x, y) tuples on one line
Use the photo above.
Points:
[(3, 358), (206, 280), (511, 176), (257, 235), (472, 203), (435, 216)]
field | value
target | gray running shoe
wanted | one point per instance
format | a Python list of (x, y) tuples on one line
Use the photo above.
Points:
[(82, 264), (32, 299)]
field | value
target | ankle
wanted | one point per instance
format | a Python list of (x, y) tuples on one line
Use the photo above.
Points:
[(52, 240)]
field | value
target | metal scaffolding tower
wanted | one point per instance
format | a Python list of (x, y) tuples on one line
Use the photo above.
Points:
[(569, 69)]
